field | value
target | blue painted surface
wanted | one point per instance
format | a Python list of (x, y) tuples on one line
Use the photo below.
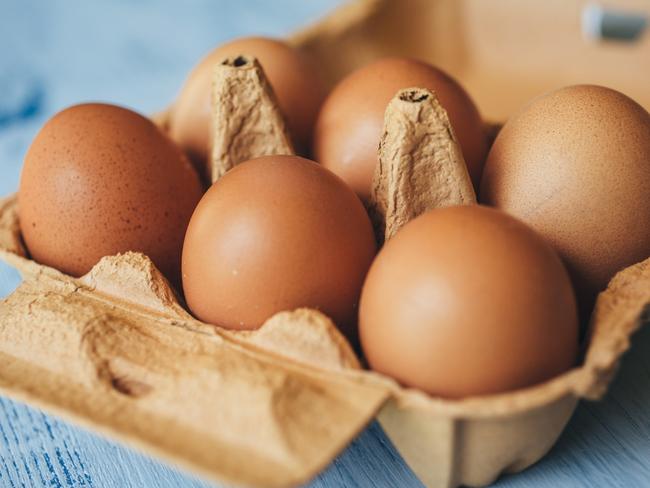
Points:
[(56, 53)]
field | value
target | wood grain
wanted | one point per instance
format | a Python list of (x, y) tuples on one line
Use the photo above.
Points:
[(149, 50)]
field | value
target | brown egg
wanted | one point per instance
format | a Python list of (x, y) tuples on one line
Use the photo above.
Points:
[(351, 120), (276, 233), (575, 165), (295, 82), (99, 180), (468, 301)]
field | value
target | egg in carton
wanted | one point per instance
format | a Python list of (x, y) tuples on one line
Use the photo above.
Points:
[(116, 351)]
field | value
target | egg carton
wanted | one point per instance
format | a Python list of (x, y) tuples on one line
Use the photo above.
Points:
[(116, 351)]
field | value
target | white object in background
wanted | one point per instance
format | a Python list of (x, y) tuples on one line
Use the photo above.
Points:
[(602, 23)]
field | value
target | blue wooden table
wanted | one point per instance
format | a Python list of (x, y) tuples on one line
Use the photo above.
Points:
[(56, 53)]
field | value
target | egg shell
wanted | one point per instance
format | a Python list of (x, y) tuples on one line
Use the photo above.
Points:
[(468, 301), (351, 121), (292, 75), (99, 180), (273, 234), (575, 165)]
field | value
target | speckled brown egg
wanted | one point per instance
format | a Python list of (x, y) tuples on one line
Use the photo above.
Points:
[(277, 233), (99, 180), (575, 165), (350, 123), (468, 301), (292, 75)]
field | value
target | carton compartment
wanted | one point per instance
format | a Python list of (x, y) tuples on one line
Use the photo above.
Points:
[(116, 351)]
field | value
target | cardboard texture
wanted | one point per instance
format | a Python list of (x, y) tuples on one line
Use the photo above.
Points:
[(246, 120), (116, 351), (145, 372), (421, 165)]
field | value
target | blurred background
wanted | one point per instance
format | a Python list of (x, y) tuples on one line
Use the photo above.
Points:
[(137, 53), (133, 53)]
